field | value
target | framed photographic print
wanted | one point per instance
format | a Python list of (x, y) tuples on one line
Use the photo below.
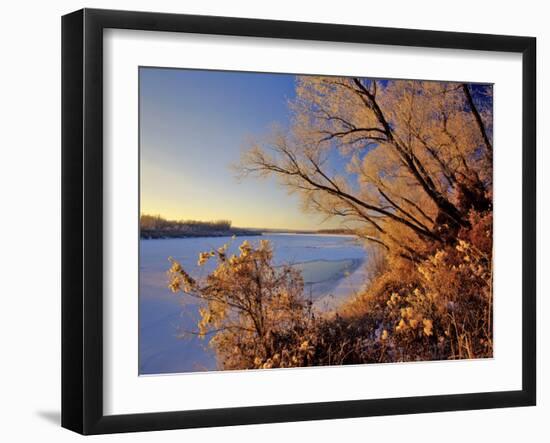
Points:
[(269, 221)]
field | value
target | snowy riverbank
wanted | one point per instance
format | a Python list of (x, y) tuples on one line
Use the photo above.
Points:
[(332, 267)]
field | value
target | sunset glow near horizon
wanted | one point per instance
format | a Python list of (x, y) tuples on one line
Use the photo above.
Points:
[(193, 127)]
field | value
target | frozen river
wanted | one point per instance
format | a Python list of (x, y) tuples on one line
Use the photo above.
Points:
[(332, 267)]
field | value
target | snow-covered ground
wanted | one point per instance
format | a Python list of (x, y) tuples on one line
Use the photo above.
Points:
[(332, 266)]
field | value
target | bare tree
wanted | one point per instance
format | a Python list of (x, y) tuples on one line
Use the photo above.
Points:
[(417, 156)]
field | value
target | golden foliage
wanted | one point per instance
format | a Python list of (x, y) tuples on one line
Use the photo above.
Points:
[(440, 308)]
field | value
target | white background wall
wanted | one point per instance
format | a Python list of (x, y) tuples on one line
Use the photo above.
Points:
[(30, 219)]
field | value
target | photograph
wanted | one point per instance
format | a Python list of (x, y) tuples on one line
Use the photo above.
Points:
[(291, 220)]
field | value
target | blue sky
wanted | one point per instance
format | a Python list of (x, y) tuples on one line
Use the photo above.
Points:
[(193, 126)]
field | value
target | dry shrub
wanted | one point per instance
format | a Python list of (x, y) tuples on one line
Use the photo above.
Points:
[(253, 312)]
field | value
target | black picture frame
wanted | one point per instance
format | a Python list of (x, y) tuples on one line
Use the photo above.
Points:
[(82, 220)]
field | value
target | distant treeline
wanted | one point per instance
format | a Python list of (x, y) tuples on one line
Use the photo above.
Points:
[(336, 231), (153, 222), (155, 226)]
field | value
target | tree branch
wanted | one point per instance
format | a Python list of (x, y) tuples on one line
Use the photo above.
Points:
[(479, 121)]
